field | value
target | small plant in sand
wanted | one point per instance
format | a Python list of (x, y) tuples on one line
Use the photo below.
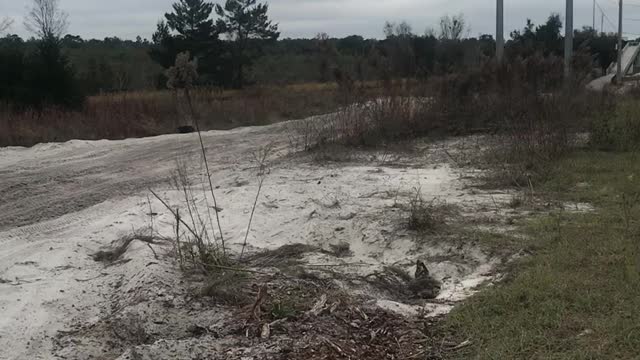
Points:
[(202, 246), (422, 214), (200, 241), (260, 157)]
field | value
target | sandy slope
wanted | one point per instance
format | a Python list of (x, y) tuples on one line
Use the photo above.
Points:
[(59, 203)]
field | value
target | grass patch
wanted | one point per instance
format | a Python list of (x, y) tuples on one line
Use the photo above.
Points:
[(577, 296), (281, 310), (282, 257), (228, 287), (620, 131), (426, 216)]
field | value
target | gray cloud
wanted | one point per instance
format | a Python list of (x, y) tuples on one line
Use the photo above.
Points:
[(305, 18)]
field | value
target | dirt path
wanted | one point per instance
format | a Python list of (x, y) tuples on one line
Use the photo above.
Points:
[(51, 180)]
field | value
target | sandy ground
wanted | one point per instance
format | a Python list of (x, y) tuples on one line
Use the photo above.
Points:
[(63, 202)]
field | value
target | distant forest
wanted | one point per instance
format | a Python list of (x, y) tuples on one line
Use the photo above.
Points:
[(233, 59)]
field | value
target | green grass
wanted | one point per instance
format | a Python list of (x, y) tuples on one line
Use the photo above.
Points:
[(620, 131), (578, 295)]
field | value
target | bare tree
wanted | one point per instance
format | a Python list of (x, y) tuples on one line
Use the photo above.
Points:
[(389, 29), (5, 24), (404, 30), (401, 30), (452, 27), (46, 20)]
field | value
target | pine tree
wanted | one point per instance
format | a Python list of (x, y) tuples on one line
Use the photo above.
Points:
[(244, 22), (191, 19)]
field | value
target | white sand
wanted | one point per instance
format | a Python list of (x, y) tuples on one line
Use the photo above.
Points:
[(66, 201)]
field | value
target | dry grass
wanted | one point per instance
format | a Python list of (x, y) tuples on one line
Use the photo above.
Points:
[(284, 256), (227, 287), (139, 114), (130, 329)]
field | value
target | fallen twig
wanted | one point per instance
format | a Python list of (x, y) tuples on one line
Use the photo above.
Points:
[(89, 279), (332, 345), (153, 251), (461, 345), (319, 306), (336, 265)]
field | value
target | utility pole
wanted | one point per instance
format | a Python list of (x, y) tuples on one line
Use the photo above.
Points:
[(619, 72), (500, 30), (568, 40), (601, 22), (594, 15)]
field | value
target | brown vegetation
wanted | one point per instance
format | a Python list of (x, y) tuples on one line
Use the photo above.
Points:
[(139, 114)]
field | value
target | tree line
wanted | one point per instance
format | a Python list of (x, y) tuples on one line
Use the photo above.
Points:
[(236, 44)]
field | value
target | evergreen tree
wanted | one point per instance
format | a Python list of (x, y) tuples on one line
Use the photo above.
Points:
[(246, 23), (51, 78), (191, 19), (194, 33)]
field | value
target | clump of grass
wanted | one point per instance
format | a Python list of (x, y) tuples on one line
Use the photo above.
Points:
[(130, 329), (284, 256), (617, 130), (424, 216), (227, 287), (280, 310), (197, 245), (341, 250)]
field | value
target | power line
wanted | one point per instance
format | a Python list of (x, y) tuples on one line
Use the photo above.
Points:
[(613, 26)]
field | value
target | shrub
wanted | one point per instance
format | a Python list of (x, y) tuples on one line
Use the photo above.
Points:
[(619, 130), (138, 114)]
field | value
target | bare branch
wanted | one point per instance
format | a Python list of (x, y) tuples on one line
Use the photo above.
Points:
[(5, 24), (452, 27), (46, 19)]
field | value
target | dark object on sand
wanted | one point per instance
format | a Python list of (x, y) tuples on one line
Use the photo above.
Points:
[(187, 129), (424, 286)]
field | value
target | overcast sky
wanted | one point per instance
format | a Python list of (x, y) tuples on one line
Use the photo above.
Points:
[(305, 18)]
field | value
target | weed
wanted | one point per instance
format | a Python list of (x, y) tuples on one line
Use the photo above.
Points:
[(281, 310), (341, 250), (227, 287), (260, 157), (130, 329), (423, 215), (283, 256)]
